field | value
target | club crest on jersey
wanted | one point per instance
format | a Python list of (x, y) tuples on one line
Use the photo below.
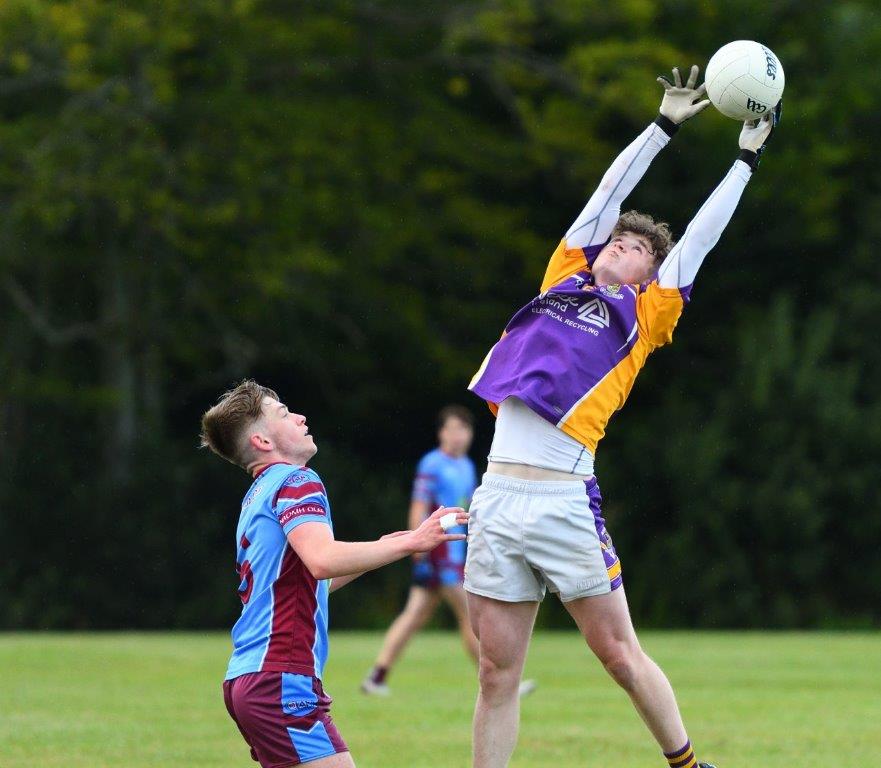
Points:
[(300, 706), (594, 312), (252, 495), (613, 290)]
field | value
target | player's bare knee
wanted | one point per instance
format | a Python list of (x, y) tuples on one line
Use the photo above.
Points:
[(414, 622), (418, 613), (497, 680), (624, 664), (622, 671), (420, 619)]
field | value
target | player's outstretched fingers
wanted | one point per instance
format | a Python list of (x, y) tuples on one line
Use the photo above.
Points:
[(699, 107), (692, 76), (430, 532), (677, 78), (442, 510), (700, 90), (453, 518), (448, 521), (766, 124)]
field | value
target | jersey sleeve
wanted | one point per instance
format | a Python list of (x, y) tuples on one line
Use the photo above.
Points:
[(566, 261), (591, 230), (657, 312), (301, 498), (684, 260), (425, 482), (597, 220)]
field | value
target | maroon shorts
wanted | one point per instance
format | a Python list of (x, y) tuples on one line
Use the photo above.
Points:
[(284, 717)]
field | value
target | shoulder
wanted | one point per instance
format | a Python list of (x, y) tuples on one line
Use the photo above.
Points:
[(301, 498), (430, 461), (298, 483), (652, 290), (299, 476), (658, 310)]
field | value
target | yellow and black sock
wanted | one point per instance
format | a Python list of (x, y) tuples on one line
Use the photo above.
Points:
[(682, 758)]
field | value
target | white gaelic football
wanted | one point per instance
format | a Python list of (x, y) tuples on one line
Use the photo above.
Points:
[(744, 80)]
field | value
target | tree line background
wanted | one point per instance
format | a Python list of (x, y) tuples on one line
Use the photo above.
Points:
[(347, 200)]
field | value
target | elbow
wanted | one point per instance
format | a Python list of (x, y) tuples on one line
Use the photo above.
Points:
[(320, 570), (318, 564)]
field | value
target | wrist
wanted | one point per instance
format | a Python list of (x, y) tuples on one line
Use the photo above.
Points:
[(749, 157), (666, 124), (407, 544)]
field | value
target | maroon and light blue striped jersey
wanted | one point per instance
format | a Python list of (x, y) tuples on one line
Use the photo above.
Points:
[(283, 626)]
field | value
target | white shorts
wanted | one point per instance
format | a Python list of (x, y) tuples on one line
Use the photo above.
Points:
[(526, 536)]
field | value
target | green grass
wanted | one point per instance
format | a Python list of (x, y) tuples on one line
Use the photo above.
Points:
[(750, 700)]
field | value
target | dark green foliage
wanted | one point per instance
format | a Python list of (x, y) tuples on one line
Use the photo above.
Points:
[(347, 200)]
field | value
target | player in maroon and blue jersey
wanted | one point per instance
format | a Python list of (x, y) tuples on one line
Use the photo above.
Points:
[(288, 561)]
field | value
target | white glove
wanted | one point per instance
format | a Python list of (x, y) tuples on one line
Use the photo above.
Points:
[(681, 102), (756, 132), (755, 135)]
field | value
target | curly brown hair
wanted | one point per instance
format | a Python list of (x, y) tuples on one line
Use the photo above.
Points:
[(656, 232), (224, 423)]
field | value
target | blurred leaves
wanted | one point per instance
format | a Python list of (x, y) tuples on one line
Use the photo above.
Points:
[(348, 200)]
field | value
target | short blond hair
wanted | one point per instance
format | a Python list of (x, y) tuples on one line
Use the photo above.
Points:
[(656, 232), (224, 423)]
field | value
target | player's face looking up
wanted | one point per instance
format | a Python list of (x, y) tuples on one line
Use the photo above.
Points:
[(626, 260), (455, 436), (283, 432)]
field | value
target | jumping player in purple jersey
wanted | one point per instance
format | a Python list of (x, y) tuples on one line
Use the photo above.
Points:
[(612, 293), (288, 561)]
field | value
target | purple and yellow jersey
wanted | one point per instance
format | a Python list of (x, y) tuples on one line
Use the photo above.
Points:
[(283, 626), (573, 353), (445, 480)]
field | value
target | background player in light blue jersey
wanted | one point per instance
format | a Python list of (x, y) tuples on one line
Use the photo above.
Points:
[(445, 476), (286, 558)]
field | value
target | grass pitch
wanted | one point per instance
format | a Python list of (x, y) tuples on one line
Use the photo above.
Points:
[(750, 700)]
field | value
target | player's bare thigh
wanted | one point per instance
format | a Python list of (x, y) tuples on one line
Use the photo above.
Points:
[(604, 622), (339, 760), (503, 628)]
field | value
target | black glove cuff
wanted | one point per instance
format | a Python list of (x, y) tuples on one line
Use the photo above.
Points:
[(750, 158), (666, 125)]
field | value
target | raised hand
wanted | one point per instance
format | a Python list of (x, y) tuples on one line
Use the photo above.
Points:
[(429, 534), (681, 102), (755, 133)]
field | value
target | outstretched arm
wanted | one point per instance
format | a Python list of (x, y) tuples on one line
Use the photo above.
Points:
[(340, 581), (327, 558), (681, 265), (595, 223)]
